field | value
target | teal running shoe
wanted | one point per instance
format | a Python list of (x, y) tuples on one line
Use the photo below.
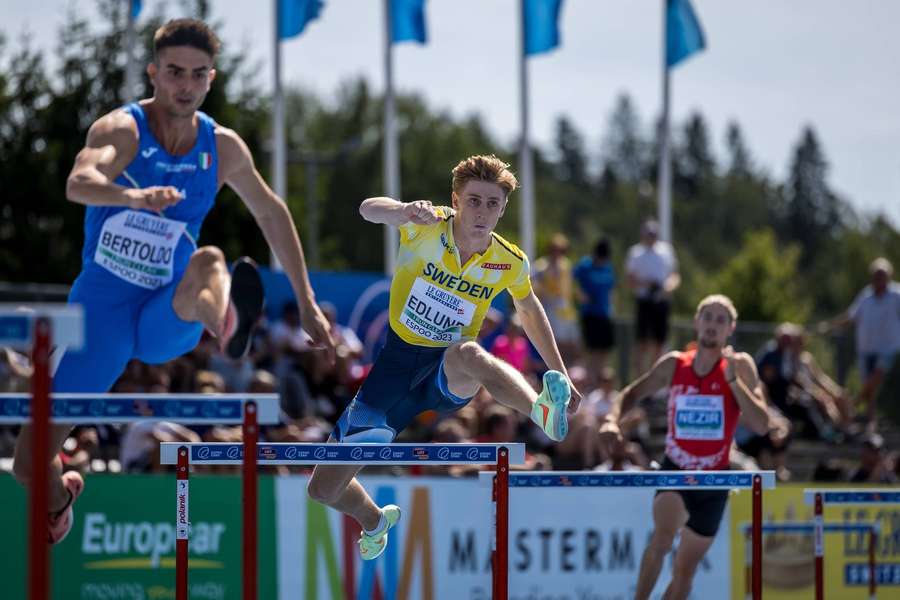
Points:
[(549, 410), (371, 546)]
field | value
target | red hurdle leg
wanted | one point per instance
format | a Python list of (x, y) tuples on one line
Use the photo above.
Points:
[(38, 554), (873, 582), (249, 549), (748, 564), (757, 537), (819, 541), (501, 564), (182, 524)]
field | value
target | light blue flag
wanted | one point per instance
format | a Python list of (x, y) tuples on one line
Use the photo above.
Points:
[(684, 36), (408, 21), (293, 15), (135, 8), (541, 25)]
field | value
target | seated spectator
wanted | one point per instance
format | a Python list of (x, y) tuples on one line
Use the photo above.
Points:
[(874, 466), (769, 450), (833, 400)]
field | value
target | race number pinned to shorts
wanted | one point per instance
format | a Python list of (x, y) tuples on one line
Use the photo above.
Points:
[(435, 313), (139, 247), (699, 417)]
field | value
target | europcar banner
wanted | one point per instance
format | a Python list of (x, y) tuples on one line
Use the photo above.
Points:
[(122, 545), (789, 559), (565, 544)]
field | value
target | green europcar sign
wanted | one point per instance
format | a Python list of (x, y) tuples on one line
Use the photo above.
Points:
[(122, 546)]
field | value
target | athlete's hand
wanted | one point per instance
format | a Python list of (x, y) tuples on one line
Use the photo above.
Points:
[(611, 438), (317, 326), (420, 212), (156, 198), (730, 360), (574, 400)]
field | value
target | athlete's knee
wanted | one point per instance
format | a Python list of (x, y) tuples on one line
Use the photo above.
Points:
[(465, 355), (661, 541), (23, 467), (322, 491), (208, 257)]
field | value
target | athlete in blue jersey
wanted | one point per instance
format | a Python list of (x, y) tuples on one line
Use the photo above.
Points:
[(148, 174)]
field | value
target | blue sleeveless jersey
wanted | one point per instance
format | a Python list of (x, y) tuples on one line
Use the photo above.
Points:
[(195, 174)]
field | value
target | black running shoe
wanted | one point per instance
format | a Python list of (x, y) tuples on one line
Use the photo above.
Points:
[(247, 298)]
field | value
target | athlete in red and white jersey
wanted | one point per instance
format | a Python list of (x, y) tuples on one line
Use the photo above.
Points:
[(709, 388)]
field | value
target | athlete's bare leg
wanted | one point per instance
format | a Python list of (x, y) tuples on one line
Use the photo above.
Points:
[(202, 293), (468, 366), (336, 486), (692, 548), (24, 467), (669, 515)]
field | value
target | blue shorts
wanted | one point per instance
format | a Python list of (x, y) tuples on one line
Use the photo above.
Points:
[(122, 321), (870, 361), (405, 381)]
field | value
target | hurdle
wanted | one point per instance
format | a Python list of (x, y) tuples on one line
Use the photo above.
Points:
[(839, 497), (756, 481), (38, 327), (809, 527), (500, 456)]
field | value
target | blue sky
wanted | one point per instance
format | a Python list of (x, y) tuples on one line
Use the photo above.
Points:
[(772, 65)]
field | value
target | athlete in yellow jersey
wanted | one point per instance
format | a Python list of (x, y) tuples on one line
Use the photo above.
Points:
[(451, 266)]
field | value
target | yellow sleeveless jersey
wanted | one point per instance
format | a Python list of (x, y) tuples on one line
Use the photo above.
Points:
[(435, 300)]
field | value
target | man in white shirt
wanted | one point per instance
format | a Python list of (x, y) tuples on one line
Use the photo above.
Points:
[(652, 271), (876, 315)]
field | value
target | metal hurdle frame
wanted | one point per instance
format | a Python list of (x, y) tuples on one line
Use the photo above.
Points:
[(818, 498), (38, 326), (252, 454), (809, 527), (756, 481)]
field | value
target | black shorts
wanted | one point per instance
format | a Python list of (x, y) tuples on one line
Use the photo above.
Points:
[(597, 332), (705, 507), (652, 320)]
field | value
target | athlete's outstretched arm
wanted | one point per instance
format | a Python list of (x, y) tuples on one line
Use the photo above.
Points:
[(658, 377), (387, 211), (112, 143), (236, 168), (537, 328)]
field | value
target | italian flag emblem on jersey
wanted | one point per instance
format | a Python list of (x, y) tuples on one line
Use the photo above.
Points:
[(205, 160)]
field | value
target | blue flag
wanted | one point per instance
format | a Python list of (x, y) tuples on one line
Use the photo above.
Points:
[(408, 21), (684, 36), (293, 15), (135, 8), (541, 25)]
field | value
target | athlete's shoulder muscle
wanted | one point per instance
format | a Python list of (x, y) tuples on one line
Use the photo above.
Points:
[(234, 155), (112, 143)]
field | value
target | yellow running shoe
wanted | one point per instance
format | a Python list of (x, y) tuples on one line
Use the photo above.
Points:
[(371, 546), (549, 410)]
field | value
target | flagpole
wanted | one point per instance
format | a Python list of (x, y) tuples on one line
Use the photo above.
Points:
[(279, 146), (391, 157), (131, 70), (664, 183), (526, 167)]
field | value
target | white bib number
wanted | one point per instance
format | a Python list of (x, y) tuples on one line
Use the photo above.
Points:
[(435, 313), (699, 417), (139, 248)]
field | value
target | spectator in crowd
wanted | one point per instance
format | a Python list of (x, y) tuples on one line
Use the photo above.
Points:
[(833, 400), (652, 271), (512, 345), (874, 464), (595, 278), (552, 282), (769, 449), (876, 315)]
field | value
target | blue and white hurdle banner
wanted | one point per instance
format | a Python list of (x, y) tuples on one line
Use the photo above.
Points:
[(188, 409), (228, 453), (17, 324), (672, 480), (854, 496), (810, 526)]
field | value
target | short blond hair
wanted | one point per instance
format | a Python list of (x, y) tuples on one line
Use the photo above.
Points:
[(484, 168), (720, 299)]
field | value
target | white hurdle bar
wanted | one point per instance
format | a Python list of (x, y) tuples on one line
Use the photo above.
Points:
[(39, 327), (187, 409), (757, 481), (250, 454), (842, 497)]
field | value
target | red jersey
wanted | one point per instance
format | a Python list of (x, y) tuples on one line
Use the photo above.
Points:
[(702, 416)]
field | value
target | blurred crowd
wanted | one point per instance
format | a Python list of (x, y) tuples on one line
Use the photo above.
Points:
[(805, 403)]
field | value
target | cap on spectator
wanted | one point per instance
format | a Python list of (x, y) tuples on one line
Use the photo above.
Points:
[(873, 441), (881, 265), (650, 227)]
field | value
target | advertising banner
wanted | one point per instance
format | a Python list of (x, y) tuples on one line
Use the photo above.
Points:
[(122, 545), (789, 560), (565, 544)]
